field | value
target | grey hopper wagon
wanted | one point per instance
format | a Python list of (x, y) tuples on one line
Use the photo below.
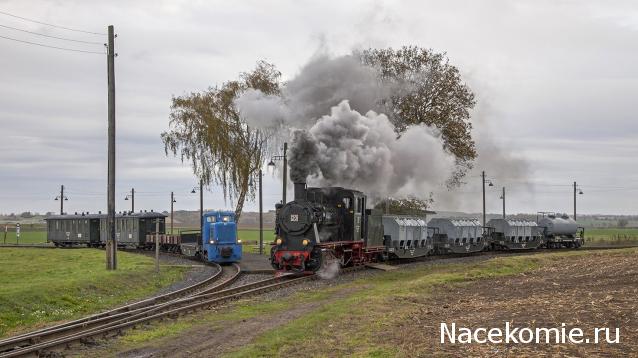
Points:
[(406, 236), (456, 235), (509, 234)]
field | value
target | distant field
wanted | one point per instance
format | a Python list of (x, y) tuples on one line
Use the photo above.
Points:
[(45, 285), (250, 236), (611, 235)]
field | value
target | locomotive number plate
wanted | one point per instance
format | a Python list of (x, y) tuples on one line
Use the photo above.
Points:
[(294, 217)]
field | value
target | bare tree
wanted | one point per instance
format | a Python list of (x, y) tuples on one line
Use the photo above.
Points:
[(206, 129)]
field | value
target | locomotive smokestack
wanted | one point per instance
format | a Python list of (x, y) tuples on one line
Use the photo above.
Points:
[(300, 191)]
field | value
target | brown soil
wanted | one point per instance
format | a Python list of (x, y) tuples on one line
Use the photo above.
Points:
[(583, 292)]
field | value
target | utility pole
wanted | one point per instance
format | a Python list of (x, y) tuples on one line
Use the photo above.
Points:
[(483, 181), (133, 199), (111, 241), (285, 172), (503, 197), (172, 202), (261, 217)]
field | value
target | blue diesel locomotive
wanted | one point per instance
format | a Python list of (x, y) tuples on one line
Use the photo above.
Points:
[(219, 241)]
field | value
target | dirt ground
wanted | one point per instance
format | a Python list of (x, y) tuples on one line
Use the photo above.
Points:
[(585, 292), (582, 292)]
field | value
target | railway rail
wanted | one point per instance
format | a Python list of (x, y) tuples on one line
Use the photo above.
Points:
[(37, 343), (215, 282)]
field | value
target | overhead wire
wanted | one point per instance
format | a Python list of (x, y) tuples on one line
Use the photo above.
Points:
[(49, 46), (52, 25), (51, 36)]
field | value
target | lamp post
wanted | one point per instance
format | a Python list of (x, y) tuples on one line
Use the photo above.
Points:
[(261, 212), (62, 199), (132, 196), (580, 192), (285, 172), (172, 202), (201, 204), (485, 180)]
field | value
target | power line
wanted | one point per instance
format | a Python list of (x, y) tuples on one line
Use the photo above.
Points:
[(47, 24), (55, 47), (53, 37)]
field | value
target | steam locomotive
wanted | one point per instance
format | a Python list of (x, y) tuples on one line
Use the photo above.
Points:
[(331, 225)]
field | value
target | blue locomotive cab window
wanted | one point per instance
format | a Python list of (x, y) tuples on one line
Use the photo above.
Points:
[(226, 218), (211, 219)]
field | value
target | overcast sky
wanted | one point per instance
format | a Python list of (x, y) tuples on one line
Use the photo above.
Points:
[(556, 84)]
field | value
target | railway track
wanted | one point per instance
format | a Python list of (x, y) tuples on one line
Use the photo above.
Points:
[(41, 342), (221, 279)]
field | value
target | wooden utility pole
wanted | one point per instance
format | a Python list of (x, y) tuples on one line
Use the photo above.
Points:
[(111, 241), (261, 217), (132, 200)]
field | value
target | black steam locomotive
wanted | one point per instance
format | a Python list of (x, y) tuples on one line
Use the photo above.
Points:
[(324, 225)]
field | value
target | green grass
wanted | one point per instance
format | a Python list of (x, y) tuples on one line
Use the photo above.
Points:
[(611, 235), (26, 237), (45, 285)]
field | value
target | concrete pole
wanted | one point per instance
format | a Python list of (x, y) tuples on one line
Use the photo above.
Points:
[(157, 238), (285, 173), (111, 241), (201, 207), (503, 202), (172, 201), (574, 201), (483, 179), (132, 200), (61, 199), (261, 218)]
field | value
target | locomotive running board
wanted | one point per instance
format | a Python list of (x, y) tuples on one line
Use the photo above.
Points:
[(379, 266)]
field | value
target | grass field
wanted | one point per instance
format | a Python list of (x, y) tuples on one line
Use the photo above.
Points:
[(610, 235), (45, 285)]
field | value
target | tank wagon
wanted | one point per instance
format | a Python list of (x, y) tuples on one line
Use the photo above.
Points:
[(508, 234), (456, 235), (560, 231)]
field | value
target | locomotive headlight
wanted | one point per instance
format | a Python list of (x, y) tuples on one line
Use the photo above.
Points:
[(279, 241), (212, 241), (239, 241), (305, 242)]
